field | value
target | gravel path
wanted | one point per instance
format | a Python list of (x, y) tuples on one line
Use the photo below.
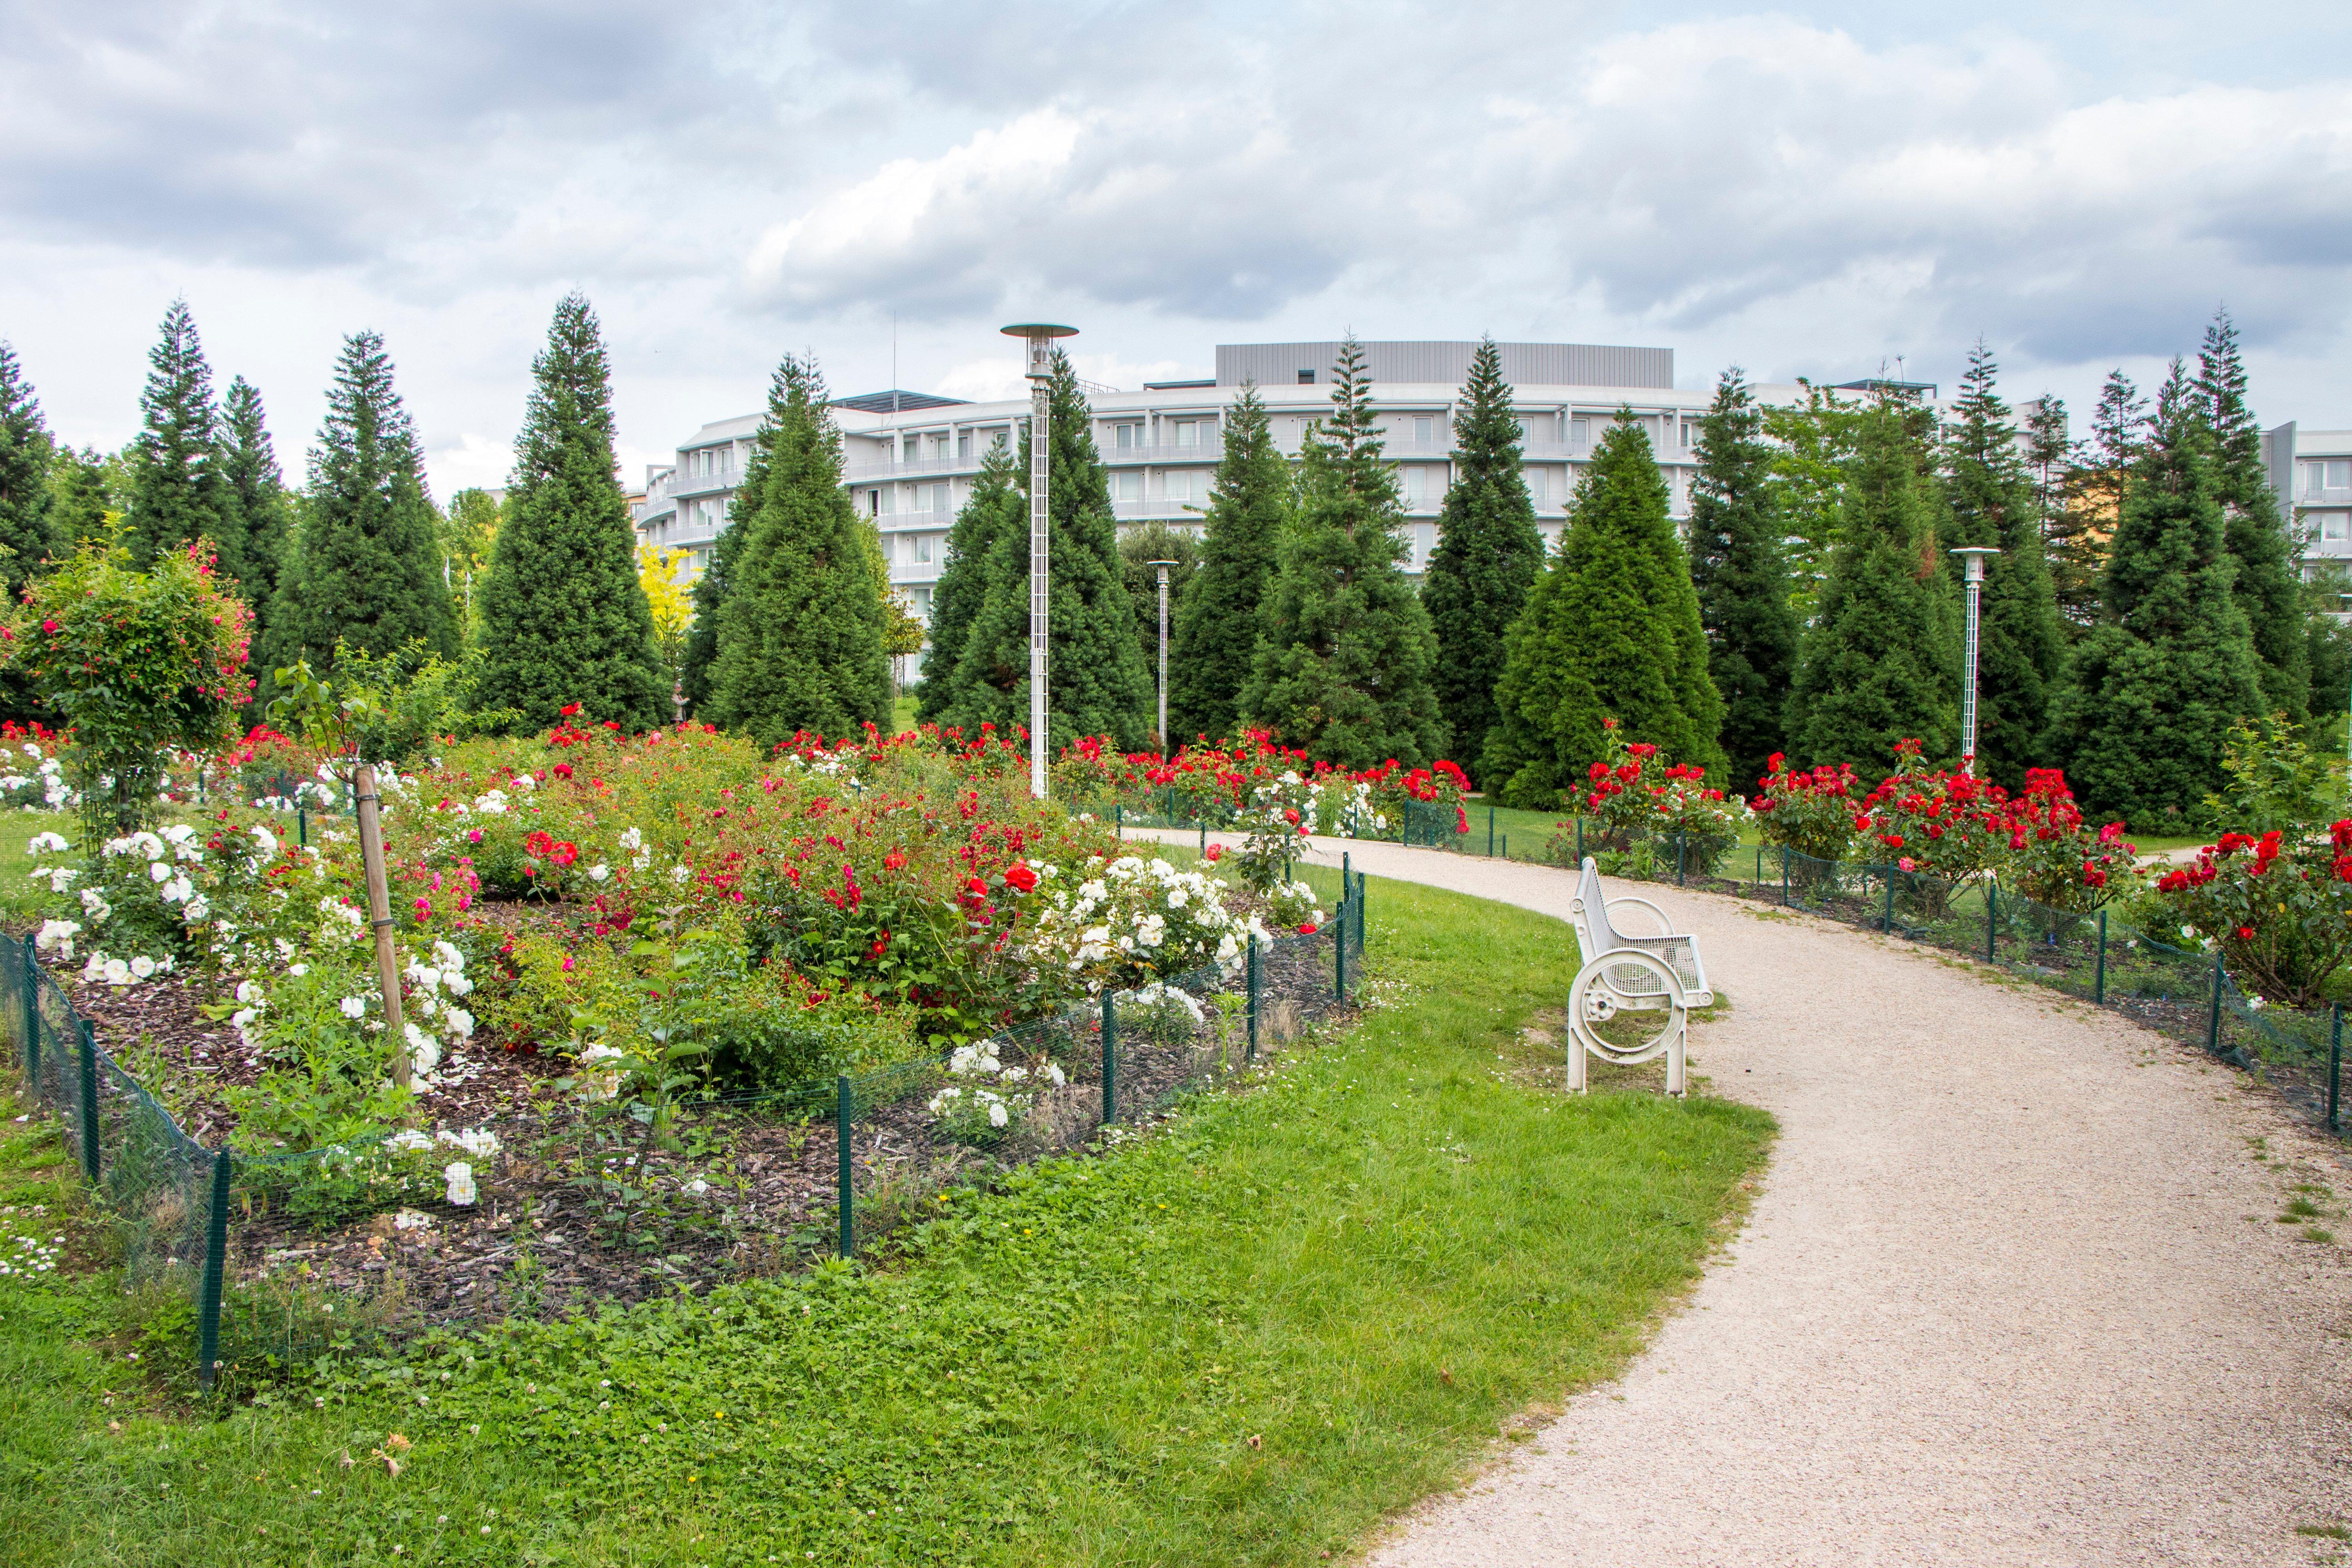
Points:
[(2012, 1291)]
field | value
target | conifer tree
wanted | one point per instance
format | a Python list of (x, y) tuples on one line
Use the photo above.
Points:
[(1742, 579), (1611, 631), (26, 455), (81, 498), (2268, 583), (1488, 553), (178, 491), (364, 569), (1212, 634), (564, 619), (1813, 452), (1096, 681), (1988, 502), (2072, 536), (802, 635), (995, 508), (2158, 682), (1882, 662), (1345, 652), (256, 496)]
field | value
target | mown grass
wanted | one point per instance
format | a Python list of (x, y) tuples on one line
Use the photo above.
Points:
[(1246, 1338)]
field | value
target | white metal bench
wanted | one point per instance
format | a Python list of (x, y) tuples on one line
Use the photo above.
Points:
[(1625, 974)]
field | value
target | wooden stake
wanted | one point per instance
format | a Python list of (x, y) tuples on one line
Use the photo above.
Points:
[(387, 955)]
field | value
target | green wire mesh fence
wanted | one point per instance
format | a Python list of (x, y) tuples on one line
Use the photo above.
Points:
[(571, 1202)]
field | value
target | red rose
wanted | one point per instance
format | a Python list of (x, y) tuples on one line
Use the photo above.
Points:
[(571, 709), (48, 625), (1307, 930), (2245, 933), (1020, 876)]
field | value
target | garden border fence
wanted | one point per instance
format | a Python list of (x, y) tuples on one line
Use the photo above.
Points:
[(211, 1225)]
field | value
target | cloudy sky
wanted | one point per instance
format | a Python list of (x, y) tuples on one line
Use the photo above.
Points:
[(1813, 189)]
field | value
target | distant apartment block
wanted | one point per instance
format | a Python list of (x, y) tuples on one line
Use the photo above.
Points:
[(2311, 471), (910, 458)]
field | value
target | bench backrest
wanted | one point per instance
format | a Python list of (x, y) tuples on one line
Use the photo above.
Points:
[(1594, 934)]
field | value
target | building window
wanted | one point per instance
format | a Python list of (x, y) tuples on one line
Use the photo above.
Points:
[(1178, 484), (1422, 427), (1188, 433), (889, 548), (1306, 378), (963, 445), (1579, 432), (938, 498), (1690, 430), (1416, 485), (2333, 475), (1130, 436), (922, 549), (1127, 485), (2335, 527)]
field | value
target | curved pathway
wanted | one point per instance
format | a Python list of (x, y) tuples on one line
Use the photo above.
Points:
[(2012, 1291)]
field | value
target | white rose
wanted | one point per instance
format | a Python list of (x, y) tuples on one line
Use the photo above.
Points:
[(115, 972), (142, 966), (352, 1007), (159, 870), (460, 1177)]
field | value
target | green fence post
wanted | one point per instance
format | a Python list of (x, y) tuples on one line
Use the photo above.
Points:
[(2213, 1014), (1678, 857), (1119, 819), (1758, 879), (844, 1117), (1580, 844), (1784, 876), (208, 1310), (1993, 919), (1257, 988), (1341, 946), (1110, 1058), (2335, 1065), (2099, 977), (1507, 845), (90, 1101), (1204, 839), (1886, 921), (1357, 902), (32, 1017), (302, 826), (1490, 833)]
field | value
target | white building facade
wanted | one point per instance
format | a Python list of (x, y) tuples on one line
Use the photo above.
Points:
[(2311, 472), (910, 458)]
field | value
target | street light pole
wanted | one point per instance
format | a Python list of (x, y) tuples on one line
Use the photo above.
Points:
[(2346, 598), (1972, 573), (1164, 566), (1040, 336)]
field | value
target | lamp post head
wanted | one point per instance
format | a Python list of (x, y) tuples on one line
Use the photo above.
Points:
[(1164, 566), (1972, 558), (1041, 336)]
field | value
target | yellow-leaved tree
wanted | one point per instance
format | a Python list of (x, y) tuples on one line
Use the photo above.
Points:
[(673, 604)]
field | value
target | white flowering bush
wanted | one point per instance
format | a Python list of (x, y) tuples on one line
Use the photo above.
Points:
[(1280, 812), (990, 1096), (32, 780), (1131, 920)]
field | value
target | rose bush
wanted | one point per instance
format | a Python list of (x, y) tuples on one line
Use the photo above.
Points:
[(2281, 911)]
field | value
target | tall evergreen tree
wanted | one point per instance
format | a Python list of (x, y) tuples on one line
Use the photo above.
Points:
[(564, 618), (365, 569), (2269, 584), (1882, 662), (1612, 631), (1097, 684), (257, 495), (1345, 652), (26, 455), (1742, 578), (1988, 502), (81, 498), (1488, 553), (2158, 683), (995, 508), (1214, 633), (178, 491), (1138, 549), (1813, 453), (2074, 538), (802, 635)]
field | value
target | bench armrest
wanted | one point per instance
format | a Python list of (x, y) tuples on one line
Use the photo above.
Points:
[(1665, 926)]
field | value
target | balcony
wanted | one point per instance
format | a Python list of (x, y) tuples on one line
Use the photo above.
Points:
[(2326, 495), (870, 471), (1144, 510), (1207, 451), (705, 484)]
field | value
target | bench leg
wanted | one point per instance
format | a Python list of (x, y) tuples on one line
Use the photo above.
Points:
[(1677, 1079), (1575, 1055)]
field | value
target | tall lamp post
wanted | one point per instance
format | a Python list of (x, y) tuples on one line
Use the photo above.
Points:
[(1164, 566), (1972, 575), (1041, 336)]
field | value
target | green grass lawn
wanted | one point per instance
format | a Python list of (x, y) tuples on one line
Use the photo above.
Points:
[(902, 714), (1247, 1337)]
